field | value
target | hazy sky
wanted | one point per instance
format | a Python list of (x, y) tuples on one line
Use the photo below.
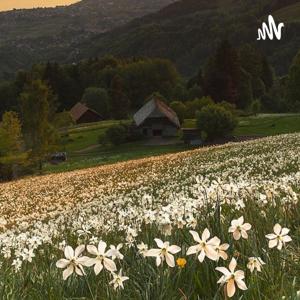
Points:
[(11, 4)]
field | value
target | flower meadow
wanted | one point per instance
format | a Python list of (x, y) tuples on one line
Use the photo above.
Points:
[(215, 223)]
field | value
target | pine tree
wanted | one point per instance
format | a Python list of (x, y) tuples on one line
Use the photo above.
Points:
[(293, 89), (223, 74), (119, 102)]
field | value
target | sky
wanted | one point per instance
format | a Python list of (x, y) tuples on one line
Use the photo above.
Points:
[(11, 4)]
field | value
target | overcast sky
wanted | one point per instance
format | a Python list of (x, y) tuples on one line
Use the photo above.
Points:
[(11, 4)]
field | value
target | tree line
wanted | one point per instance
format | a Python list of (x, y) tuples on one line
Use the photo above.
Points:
[(35, 104)]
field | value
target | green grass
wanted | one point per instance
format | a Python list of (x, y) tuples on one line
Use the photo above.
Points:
[(84, 136), (101, 156), (267, 125), (262, 125), (83, 149)]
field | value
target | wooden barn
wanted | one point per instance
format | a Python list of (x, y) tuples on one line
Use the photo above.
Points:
[(155, 118), (80, 113)]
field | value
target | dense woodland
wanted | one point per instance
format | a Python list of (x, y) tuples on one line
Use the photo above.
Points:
[(118, 87), (35, 104)]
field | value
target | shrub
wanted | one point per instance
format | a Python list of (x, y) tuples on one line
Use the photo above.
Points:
[(196, 105), (216, 121), (256, 107), (119, 134), (179, 108), (116, 134), (229, 106)]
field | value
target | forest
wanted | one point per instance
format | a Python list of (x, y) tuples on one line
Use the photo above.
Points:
[(35, 104)]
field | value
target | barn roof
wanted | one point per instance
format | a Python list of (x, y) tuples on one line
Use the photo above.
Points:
[(142, 114), (79, 109)]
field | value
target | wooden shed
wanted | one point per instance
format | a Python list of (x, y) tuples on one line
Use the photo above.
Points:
[(155, 118), (80, 113)]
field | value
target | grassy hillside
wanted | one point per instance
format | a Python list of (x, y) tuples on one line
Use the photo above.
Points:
[(173, 224), (266, 125), (262, 125), (84, 150)]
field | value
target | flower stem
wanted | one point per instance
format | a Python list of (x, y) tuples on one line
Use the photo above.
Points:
[(90, 290)]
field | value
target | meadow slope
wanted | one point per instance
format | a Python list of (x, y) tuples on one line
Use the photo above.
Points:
[(169, 197)]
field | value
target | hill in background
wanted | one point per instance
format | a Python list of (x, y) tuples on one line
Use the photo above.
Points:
[(35, 35), (187, 31)]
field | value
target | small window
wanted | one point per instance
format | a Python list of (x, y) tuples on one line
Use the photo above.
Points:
[(145, 131), (157, 132)]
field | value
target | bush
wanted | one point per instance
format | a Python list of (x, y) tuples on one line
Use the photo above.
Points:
[(116, 135), (119, 134), (229, 106), (216, 121), (256, 107), (196, 105), (179, 108)]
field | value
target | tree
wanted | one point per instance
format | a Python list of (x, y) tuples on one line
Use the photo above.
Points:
[(196, 105), (8, 97), (38, 132), (119, 103), (256, 107), (11, 154), (251, 60), (293, 86), (245, 90), (215, 121), (222, 74), (97, 99), (267, 74), (179, 108), (11, 125), (143, 77)]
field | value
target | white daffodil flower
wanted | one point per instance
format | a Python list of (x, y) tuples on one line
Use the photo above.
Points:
[(28, 255), (143, 248), (114, 252), (231, 278), (279, 238), (205, 247), (101, 260), (164, 252), (118, 280), (73, 262), (255, 263), (239, 229), (221, 250)]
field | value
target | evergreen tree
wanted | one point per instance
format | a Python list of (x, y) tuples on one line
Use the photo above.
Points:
[(293, 86), (119, 102), (97, 99), (223, 74), (267, 74)]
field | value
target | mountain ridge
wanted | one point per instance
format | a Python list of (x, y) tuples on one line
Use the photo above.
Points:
[(192, 36), (185, 31), (41, 34)]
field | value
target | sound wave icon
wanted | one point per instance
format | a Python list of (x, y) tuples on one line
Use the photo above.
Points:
[(270, 30)]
